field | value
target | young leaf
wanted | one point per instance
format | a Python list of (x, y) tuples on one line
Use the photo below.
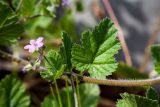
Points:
[(96, 52), (131, 100), (55, 66), (13, 93), (152, 94), (65, 50), (155, 50), (10, 30)]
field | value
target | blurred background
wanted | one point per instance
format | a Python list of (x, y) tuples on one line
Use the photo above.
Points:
[(138, 21)]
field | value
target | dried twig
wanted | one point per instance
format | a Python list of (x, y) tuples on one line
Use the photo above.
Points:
[(147, 49), (120, 33)]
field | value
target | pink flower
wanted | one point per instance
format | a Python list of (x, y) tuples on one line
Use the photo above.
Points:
[(34, 45), (65, 2)]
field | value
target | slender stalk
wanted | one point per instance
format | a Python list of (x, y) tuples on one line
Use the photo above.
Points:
[(120, 33), (57, 90), (74, 92), (19, 6), (68, 95), (53, 93), (78, 94)]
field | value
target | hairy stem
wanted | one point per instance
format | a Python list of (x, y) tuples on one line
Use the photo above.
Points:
[(74, 92), (123, 83)]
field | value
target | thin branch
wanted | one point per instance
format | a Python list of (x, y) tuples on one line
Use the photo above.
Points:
[(9, 56), (147, 49), (120, 33)]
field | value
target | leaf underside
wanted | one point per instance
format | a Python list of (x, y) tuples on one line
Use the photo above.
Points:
[(96, 51)]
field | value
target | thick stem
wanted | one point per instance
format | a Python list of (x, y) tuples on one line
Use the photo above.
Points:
[(123, 83), (74, 92)]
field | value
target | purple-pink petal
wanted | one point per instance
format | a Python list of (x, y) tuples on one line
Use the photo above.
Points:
[(32, 49), (32, 42), (40, 39), (27, 47)]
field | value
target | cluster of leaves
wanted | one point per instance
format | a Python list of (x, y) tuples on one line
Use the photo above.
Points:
[(94, 54)]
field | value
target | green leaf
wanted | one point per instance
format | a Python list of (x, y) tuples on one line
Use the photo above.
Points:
[(96, 52), (49, 102), (10, 30), (24, 10), (13, 93), (65, 50), (131, 100), (55, 66), (152, 94), (155, 50), (125, 71)]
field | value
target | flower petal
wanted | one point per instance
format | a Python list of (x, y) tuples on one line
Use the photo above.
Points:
[(32, 42), (32, 49), (27, 46), (40, 39)]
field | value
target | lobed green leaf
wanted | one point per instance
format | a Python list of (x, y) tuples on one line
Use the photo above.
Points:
[(96, 51)]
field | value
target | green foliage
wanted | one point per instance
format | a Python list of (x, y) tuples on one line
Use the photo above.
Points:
[(10, 29), (125, 71), (131, 100), (36, 7), (65, 50), (55, 66), (89, 96), (96, 52), (13, 93), (152, 94), (155, 50), (49, 102)]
